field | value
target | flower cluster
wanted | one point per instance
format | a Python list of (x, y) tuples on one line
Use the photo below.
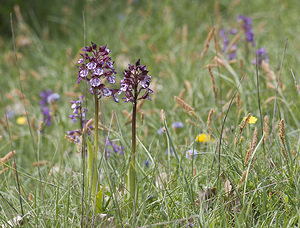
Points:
[(135, 80), (204, 138), (252, 119), (261, 55), (79, 113), (117, 149), (224, 35), (96, 67), (247, 26), (47, 98)]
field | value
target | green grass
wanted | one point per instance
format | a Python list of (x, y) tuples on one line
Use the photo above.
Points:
[(153, 31)]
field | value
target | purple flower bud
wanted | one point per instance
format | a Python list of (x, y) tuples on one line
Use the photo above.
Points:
[(247, 26), (95, 65), (98, 71), (83, 73), (95, 82), (111, 79), (106, 92), (53, 97), (91, 65), (177, 125), (135, 80)]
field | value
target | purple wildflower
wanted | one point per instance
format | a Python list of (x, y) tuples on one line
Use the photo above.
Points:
[(191, 153), (135, 80), (79, 113), (224, 35), (75, 135), (147, 162), (247, 27), (47, 97), (161, 131), (261, 55), (44, 97), (177, 125), (47, 115), (117, 149), (96, 67)]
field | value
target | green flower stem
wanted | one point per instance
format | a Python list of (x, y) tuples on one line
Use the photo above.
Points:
[(131, 171), (92, 166)]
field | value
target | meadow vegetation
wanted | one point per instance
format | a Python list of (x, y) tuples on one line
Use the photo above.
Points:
[(216, 144)]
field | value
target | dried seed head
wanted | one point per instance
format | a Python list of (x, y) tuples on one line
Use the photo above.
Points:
[(162, 116), (209, 118), (282, 132), (8, 156), (252, 147), (266, 128), (183, 104), (40, 163), (243, 178), (245, 122), (206, 45), (213, 84)]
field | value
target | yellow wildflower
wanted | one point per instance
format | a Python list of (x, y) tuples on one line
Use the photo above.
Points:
[(204, 138), (252, 120), (21, 120)]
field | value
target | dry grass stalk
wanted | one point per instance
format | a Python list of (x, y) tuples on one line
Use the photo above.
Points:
[(183, 104), (269, 100), (206, 45), (7, 156), (295, 81), (270, 85), (245, 122), (181, 94), (266, 128), (211, 65), (35, 75), (70, 139), (189, 87), (270, 74), (22, 96), (162, 116), (126, 113), (282, 133), (139, 105), (40, 163), (30, 197), (243, 178), (229, 93), (213, 84), (209, 118), (252, 147), (280, 84), (88, 124), (233, 42), (238, 100), (41, 126)]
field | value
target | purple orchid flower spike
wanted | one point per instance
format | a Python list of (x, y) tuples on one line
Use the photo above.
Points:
[(135, 81), (96, 67), (247, 27)]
